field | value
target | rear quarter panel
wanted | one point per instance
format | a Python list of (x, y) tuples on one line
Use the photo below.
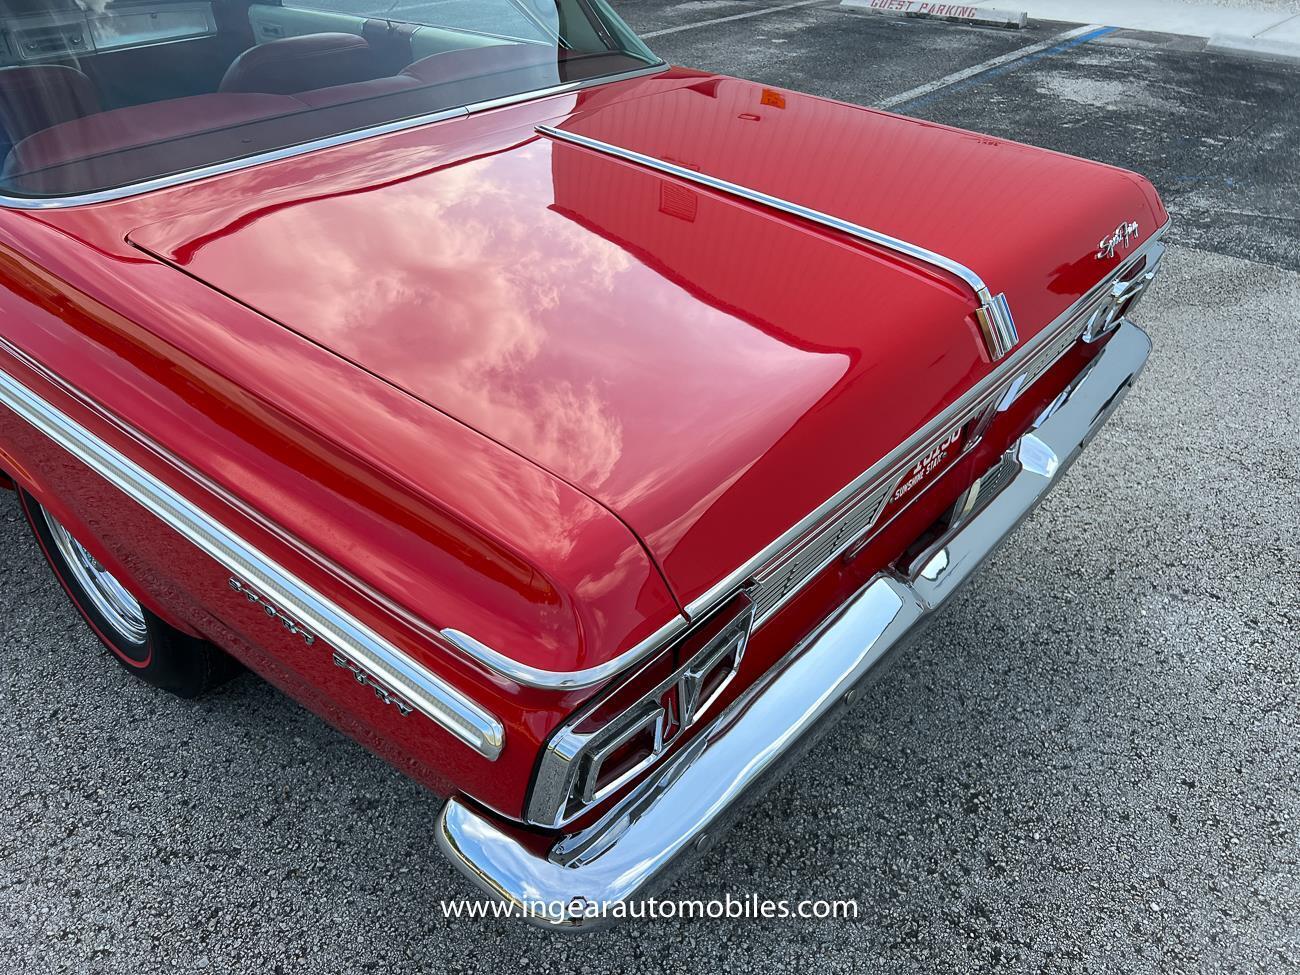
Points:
[(307, 439)]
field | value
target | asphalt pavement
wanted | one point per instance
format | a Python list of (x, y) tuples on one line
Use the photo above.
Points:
[(1089, 766)]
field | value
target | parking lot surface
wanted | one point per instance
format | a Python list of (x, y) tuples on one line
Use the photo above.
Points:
[(1089, 766)]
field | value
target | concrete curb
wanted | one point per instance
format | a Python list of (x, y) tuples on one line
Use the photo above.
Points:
[(958, 13), (1189, 18), (1260, 48)]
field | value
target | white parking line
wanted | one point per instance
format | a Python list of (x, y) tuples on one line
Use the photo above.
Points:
[(957, 76), (723, 20)]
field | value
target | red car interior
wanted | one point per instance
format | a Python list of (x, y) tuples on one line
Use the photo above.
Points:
[(145, 126), (53, 116), (300, 63), (35, 97), (444, 68)]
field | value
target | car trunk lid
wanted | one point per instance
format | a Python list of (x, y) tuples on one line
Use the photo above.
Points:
[(709, 369)]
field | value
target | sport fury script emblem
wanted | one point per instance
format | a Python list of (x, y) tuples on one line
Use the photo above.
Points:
[(1121, 239), (359, 674)]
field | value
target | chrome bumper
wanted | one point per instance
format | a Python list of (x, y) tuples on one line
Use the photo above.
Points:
[(680, 807)]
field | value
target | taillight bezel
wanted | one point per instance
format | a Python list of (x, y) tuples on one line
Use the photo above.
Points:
[(568, 780), (1125, 293)]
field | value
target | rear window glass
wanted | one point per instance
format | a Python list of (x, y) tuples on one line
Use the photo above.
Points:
[(101, 94)]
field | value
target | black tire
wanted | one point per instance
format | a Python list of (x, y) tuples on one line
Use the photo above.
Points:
[(149, 648)]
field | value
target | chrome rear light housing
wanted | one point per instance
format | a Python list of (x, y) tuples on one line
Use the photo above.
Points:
[(1114, 298), (1123, 296), (610, 742)]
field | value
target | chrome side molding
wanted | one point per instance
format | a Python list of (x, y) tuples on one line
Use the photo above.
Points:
[(994, 313), (425, 691), (679, 809)]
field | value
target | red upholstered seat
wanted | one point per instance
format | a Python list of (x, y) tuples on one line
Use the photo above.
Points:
[(437, 69), (474, 62), (34, 97), (342, 94), (142, 125), (295, 64)]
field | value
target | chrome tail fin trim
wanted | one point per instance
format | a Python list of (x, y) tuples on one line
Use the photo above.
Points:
[(994, 313)]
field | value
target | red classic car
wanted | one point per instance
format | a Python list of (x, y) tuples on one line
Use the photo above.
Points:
[(576, 431)]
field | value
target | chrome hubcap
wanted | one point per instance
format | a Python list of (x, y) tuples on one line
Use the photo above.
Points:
[(117, 606)]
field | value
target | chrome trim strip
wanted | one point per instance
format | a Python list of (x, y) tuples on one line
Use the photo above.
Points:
[(329, 142), (990, 387), (678, 810), (211, 487), (994, 314), (430, 694), (555, 680), (998, 325)]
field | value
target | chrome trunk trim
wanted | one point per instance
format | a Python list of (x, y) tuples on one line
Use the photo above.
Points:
[(680, 806), (984, 394), (994, 313), (428, 693)]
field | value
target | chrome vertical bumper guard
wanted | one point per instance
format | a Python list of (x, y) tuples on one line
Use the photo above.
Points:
[(679, 808)]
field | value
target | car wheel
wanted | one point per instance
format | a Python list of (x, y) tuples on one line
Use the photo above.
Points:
[(153, 650)]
